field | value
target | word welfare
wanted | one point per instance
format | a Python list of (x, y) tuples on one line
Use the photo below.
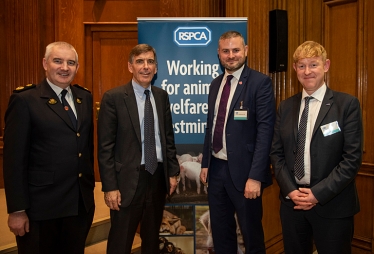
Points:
[(190, 92)]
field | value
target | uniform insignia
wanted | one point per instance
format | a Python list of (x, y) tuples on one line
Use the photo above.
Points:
[(52, 101), (24, 88), (83, 88), (79, 101)]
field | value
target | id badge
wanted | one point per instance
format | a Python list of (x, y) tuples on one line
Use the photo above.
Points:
[(330, 128), (241, 114)]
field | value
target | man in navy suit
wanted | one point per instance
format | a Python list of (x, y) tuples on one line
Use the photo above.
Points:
[(319, 203), (236, 149), (48, 159)]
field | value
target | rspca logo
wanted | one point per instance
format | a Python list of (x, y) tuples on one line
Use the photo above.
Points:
[(192, 36)]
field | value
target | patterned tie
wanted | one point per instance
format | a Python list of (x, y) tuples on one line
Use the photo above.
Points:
[(301, 135), (220, 121), (68, 109), (149, 136)]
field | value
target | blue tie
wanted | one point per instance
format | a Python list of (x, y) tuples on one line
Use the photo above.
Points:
[(68, 108), (149, 136)]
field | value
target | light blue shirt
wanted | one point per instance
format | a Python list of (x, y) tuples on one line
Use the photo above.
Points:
[(140, 100)]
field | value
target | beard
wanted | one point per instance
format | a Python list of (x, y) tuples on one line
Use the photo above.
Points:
[(234, 67)]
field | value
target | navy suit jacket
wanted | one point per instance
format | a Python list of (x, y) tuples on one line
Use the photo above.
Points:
[(247, 141), (335, 159), (120, 144), (47, 163)]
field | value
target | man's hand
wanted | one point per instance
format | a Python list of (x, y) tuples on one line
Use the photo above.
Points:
[(203, 175), (113, 199), (173, 184), (303, 199), (252, 189), (18, 223)]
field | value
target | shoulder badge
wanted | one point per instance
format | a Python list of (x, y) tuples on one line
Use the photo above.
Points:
[(23, 88), (83, 88)]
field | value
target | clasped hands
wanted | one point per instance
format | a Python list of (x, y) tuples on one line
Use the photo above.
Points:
[(303, 199)]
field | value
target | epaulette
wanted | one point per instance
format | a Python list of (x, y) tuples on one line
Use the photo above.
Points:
[(23, 88), (83, 88)]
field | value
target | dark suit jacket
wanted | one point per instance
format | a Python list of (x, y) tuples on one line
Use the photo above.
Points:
[(335, 159), (46, 161), (247, 142), (119, 140)]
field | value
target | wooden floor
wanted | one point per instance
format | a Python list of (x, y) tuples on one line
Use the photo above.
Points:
[(7, 239)]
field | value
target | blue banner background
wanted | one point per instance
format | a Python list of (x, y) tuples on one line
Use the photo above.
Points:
[(187, 63)]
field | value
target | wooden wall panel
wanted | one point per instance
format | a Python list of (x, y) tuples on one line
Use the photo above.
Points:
[(119, 11), (367, 82), (192, 8), (341, 45), (110, 47), (363, 236), (26, 28), (69, 27)]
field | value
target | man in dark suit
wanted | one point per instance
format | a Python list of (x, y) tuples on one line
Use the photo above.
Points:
[(48, 159), (236, 148), (316, 156), (132, 189)]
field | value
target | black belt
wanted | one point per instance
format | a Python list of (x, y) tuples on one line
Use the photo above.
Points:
[(142, 167), (303, 185)]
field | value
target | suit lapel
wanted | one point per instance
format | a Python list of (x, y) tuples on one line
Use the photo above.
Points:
[(239, 88), (77, 99), (54, 103), (213, 92), (295, 114), (132, 108), (160, 109), (327, 102)]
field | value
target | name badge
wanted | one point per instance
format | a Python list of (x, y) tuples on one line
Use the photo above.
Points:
[(330, 128), (240, 114)]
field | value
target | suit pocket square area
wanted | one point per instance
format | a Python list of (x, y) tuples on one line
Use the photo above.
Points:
[(330, 128)]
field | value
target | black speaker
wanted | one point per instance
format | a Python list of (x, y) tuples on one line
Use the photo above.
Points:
[(278, 40)]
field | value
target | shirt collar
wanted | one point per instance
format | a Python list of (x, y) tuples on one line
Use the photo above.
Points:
[(139, 90), (318, 95), (236, 73), (58, 89)]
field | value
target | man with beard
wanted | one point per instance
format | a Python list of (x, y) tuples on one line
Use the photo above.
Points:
[(236, 148)]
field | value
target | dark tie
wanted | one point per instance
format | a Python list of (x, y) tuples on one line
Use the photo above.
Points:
[(220, 120), (149, 136), (301, 136), (68, 108)]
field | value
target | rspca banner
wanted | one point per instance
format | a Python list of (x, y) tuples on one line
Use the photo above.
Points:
[(187, 63)]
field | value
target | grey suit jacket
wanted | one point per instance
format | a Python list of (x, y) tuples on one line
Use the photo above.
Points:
[(119, 140), (335, 159)]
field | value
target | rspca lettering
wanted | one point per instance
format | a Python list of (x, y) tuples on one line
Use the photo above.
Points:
[(192, 36)]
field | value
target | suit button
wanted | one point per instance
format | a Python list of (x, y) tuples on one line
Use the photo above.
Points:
[(79, 155), (78, 134), (80, 175)]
